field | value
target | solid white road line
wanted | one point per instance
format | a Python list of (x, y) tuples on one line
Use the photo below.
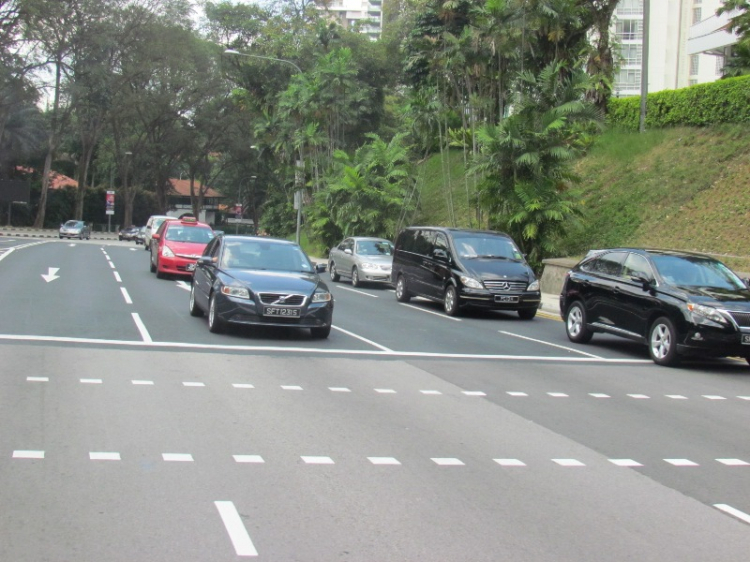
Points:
[(141, 328), (238, 534), (431, 312), (742, 516), (360, 338), (355, 291), (566, 348), (126, 296)]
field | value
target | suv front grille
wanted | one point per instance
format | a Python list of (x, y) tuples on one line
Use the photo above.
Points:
[(500, 286), (742, 318), (282, 299)]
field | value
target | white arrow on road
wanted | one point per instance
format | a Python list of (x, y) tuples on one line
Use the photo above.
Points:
[(51, 275)]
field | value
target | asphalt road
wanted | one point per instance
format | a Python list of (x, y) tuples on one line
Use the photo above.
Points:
[(129, 432)]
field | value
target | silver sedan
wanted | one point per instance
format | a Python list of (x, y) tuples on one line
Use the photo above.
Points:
[(362, 259)]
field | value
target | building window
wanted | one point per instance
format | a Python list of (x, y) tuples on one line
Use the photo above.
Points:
[(697, 13), (629, 30), (631, 54), (719, 66), (628, 80), (693, 81), (694, 64), (630, 7)]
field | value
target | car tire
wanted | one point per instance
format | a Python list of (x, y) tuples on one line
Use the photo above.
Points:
[(333, 273), (159, 273), (192, 306), (402, 292), (450, 301), (215, 324), (662, 342), (527, 313), (152, 267), (60, 236), (575, 323), (355, 278), (320, 333), (119, 238), (80, 236)]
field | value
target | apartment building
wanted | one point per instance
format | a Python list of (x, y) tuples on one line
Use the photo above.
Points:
[(687, 45), (349, 13)]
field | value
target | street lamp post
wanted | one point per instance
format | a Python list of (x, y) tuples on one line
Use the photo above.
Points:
[(299, 164)]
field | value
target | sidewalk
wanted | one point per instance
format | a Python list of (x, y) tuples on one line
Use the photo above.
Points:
[(550, 307), (29, 232)]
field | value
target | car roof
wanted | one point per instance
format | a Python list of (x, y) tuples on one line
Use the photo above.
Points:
[(236, 237), (183, 222), (648, 251), (450, 230), (362, 238)]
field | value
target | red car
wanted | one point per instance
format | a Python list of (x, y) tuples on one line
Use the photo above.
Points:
[(177, 245)]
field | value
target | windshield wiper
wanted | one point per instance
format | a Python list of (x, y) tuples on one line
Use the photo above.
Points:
[(491, 257)]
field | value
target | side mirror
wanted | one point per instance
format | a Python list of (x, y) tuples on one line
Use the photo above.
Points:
[(205, 260), (348, 252), (155, 236), (645, 282), (320, 267)]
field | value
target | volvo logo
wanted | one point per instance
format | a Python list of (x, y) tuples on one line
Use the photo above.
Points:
[(282, 299)]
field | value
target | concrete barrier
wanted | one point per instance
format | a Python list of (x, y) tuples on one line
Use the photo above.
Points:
[(553, 274)]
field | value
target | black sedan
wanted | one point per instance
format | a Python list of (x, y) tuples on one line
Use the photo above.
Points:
[(677, 303), (260, 281), (128, 233)]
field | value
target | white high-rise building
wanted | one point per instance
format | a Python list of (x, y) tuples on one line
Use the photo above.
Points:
[(369, 13), (680, 54)]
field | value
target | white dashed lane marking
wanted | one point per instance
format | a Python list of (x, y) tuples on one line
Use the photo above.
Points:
[(236, 530)]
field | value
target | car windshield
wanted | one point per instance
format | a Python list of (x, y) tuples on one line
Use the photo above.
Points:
[(374, 248), (696, 271), (488, 246), (256, 254), (195, 234), (72, 224)]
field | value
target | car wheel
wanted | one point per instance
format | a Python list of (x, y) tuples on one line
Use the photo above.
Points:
[(402, 293), (61, 237), (450, 301), (332, 271), (320, 333), (527, 313), (662, 342), (80, 236), (119, 238), (159, 273), (215, 324), (575, 324), (355, 278), (194, 309), (152, 267)]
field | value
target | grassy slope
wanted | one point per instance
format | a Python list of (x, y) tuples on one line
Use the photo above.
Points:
[(683, 188)]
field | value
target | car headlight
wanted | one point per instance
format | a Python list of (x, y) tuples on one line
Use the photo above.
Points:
[(533, 286), (166, 252), (471, 283), (708, 312), (238, 292), (321, 297), (368, 265)]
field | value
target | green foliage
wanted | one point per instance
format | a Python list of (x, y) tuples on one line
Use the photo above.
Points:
[(724, 101)]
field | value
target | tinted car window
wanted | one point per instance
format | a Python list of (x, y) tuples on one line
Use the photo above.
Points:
[(423, 242), (475, 245), (607, 264), (374, 248), (407, 240), (637, 266)]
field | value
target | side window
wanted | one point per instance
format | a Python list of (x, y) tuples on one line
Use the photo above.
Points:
[(441, 243), (405, 241), (637, 266), (608, 264), (348, 244), (212, 249), (423, 242)]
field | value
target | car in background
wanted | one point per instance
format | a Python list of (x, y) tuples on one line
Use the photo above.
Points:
[(128, 233), (676, 303), (177, 245), (362, 259), (140, 236), (260, 281), (152, 225), (75, 229), (464, 268)]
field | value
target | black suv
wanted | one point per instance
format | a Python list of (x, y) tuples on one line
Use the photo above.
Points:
[(463, 268), (677, 303)]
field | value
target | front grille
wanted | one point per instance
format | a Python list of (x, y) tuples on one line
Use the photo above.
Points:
[(282, 299), (742, 318), (500, 286)]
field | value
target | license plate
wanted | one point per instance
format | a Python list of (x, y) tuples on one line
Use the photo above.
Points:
[(745, 339), (190, 267), (505, 298), (277, 311)]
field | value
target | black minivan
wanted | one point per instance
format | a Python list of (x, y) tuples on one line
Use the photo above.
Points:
[(464, 268)]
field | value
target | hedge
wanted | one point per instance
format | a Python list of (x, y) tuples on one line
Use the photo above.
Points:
[(723, 101)]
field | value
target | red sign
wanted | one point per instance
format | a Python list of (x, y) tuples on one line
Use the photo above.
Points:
[(110, 202)]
